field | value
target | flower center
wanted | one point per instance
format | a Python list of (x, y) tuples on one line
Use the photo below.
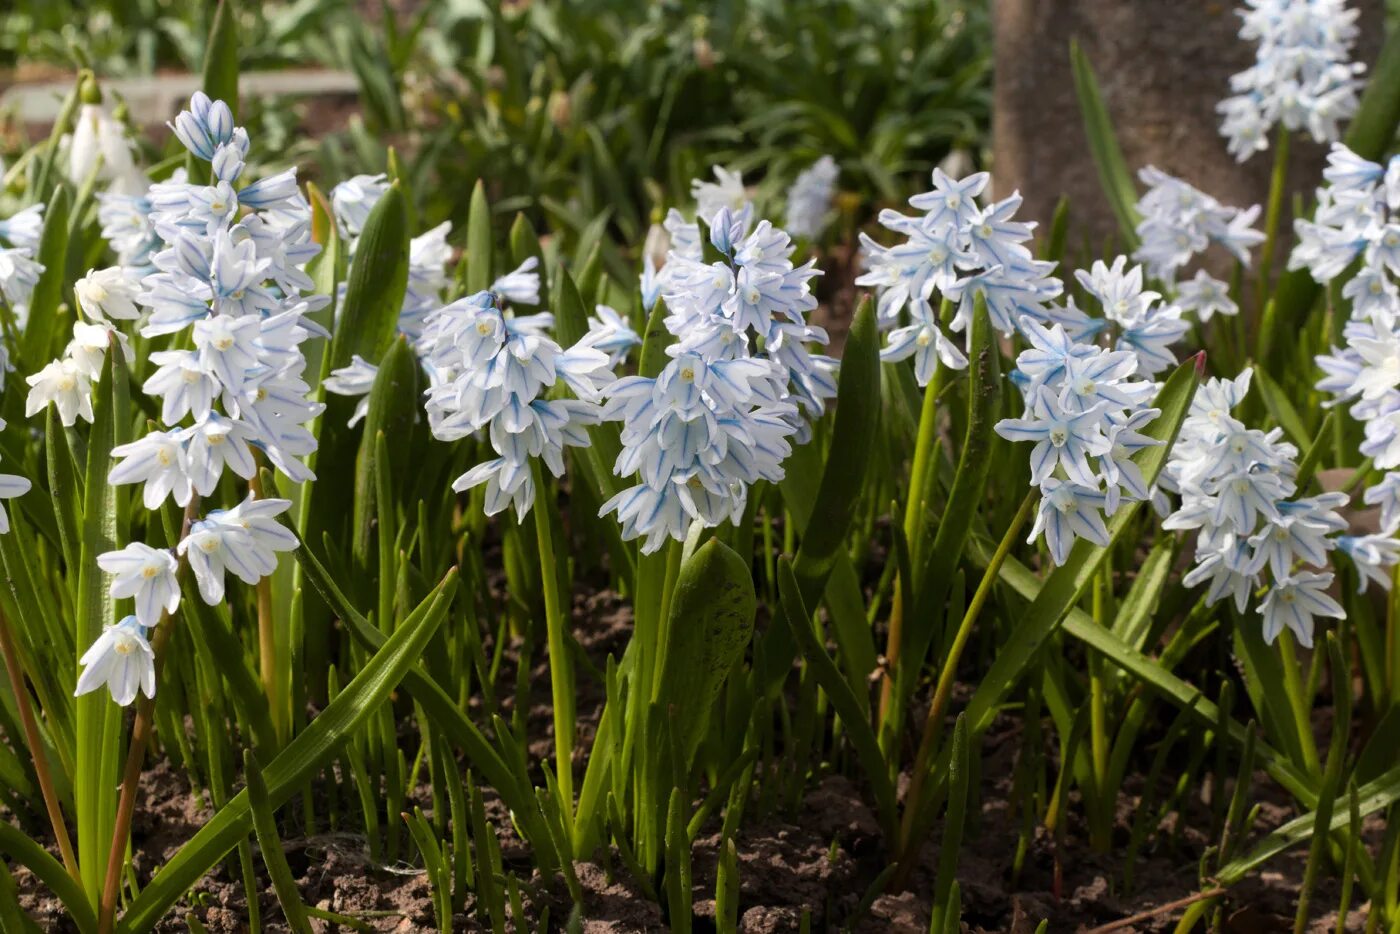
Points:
[(688, 374), (1058, 436), (150, 571)]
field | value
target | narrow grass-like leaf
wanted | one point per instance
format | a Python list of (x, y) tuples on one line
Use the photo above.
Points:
[(1068, 583), (1103, 145), (310, 750), (221, 57), (843, 700), (478, 255), (36, 344), (50, 871), (265, 827)]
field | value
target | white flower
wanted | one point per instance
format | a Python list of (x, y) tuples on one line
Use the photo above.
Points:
[(809, 198), (122, 659), (244, 540), (108, 293), (1206, 296), (1294, 601), (19, 273), (1373, 555), (24, 228), (96, 135), (357, 379), (158, 460), (214, 443), (520, 286), (182, 383), (727, 191), (10, 487), (1068, 511), (148, 575), (66, 386)]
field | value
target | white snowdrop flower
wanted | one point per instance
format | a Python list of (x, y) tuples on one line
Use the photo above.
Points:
[(809, 198), (354, 198), (521, 286), (1205, 296), (1180, 221), (610, 333), (182, 384), (10, 487), (1069, 511), (121, 660), (357, 379), (146, 574), (726, 191), (1373, 555), (227, 347), (244, 540), (1294, 602), (214, 443), (160, 462), (108, 293), (98, 135), (65, 385), (89, 345), (19, 273), (24, 228)]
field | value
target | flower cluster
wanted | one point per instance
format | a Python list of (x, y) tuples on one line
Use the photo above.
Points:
[(1302, 77), (224, 272), (494, 372), (1238, 492), (1357, 225), (964, 252), (1084, 412), (429, 256), (1179, 221), (742, 383), (809, 198)]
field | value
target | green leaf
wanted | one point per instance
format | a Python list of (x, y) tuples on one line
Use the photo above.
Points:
[(378, 282), (265, 826), (852, 441), (221, 57), (843, 699), (655, 340), (478, 255), (965, 499), (1103, 146), (711, 622), (298, 762), (394, 403), (36, 344), (98, 719), (948, 848), (1068, 583), (50, 871)]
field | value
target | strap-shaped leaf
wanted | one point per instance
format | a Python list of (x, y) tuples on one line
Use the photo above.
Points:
[(1103, 146), (1067, 583), (36, 344), (20, 848), (302, 757), (377, 284)]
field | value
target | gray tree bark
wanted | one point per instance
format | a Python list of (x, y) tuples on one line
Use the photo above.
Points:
[(1162, 67)]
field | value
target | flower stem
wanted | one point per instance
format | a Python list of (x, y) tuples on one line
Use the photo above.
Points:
[(136, 750), (41, 762), (944, 689), (561, 681), (267, 638), (1277, 180)]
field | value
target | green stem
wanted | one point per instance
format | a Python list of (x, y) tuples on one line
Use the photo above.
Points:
[(561, 681), (1277, 182), (946, 676), (1293, 686)]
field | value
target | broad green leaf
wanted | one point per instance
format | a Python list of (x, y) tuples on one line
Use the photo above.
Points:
[(394, 403), (1103, 146), (711, 622), (377, 284), (1066, 584)]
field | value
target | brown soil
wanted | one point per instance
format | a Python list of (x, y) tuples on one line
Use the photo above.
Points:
[(819, 861)]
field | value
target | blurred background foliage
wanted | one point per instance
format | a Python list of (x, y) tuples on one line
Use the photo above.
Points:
[(570, 109)]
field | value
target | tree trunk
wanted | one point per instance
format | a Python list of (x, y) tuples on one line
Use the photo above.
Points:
[(1162, 66)]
